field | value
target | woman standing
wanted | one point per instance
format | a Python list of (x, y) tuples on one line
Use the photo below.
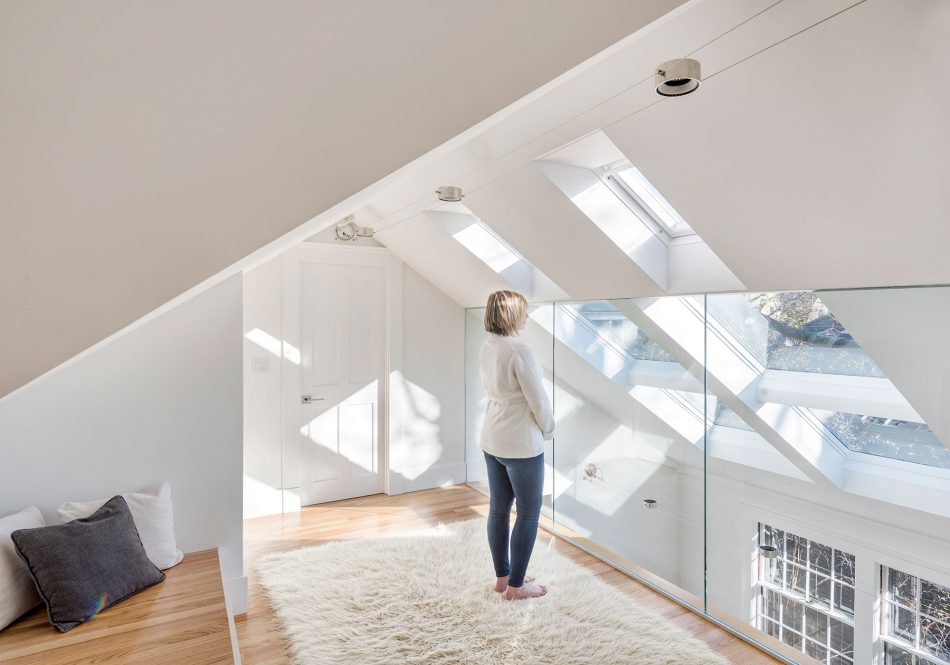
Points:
[(518, 419)]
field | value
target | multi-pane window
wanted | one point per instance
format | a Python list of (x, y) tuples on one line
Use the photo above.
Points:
[(806, 595), (916, 620)]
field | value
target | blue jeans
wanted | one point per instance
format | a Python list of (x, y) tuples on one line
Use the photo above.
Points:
[(510, 479)]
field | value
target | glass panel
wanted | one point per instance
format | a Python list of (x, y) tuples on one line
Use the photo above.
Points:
[(819, 557), (792, 639), (646, 195), (796, 549), (844, 599), (541, 343), (805, 337), (842, 637), (819, 589), (903, 623), (935, 600), (816, 651), (935, 638), (629, 430), (844, 566), (730, 408), (795, 578), (792, 613), (816, 625), (772, 335), (902, 587), (771, 605), (894, 655), (886, 437), (915, 614)]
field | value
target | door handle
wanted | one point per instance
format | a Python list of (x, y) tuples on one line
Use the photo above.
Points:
[(307, 399)]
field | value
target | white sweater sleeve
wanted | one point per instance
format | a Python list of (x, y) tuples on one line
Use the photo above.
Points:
[(528, 372)]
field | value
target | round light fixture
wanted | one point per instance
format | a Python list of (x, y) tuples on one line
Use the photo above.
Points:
[(450, 193), (768, 551), (675, 78), (649, 504)]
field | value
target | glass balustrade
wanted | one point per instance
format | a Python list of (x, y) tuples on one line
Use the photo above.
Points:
[(768, 459)]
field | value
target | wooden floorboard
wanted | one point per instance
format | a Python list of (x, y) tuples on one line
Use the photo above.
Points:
[(259, 635), (181, 620)]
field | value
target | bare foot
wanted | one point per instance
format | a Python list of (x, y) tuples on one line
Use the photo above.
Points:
[(501, 583), (525, 591)]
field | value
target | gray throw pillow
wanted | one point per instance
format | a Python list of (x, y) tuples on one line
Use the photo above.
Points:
[(87, 565)]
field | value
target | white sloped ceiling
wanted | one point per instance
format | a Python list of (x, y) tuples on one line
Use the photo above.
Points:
[(149, 146)]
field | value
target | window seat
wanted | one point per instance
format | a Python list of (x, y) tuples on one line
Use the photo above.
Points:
[(182, 620)]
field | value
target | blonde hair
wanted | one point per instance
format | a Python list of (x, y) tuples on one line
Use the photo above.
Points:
[(504, 312)]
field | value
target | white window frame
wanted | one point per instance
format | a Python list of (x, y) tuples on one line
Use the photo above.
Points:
[(887, 604), (761, 617), (643, 211)]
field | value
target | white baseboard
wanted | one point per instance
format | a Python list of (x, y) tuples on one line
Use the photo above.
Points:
[(235, 594), (440, 475), (235, 602)]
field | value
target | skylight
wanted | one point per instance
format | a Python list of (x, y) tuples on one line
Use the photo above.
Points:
[(638, 193), (481, 242), (795, 333), (629, 340)]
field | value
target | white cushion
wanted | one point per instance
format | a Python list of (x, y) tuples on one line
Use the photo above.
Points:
[(17, 591), (152, 513)]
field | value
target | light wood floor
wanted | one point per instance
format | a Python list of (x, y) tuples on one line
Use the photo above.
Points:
[(183, 620), (259, 635)]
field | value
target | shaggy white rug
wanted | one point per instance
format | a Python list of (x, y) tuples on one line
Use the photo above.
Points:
[(427, 597)]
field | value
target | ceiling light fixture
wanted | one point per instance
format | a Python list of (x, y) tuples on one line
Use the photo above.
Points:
[(675, 78), (347, 229), (450, 193)]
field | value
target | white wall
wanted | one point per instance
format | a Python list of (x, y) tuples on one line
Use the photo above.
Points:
[(431, 449), (426, 410), (262, 390), (161, 403)]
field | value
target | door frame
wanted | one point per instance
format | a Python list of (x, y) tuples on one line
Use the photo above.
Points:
[(389, 424)]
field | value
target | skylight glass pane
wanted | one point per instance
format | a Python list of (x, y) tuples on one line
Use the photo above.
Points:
[(650, 198), (612, 323), (796, 332), (483, 244), (886, 437), (726, 417), (792, 331)]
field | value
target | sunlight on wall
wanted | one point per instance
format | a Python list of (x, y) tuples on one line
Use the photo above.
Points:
[(273, 345), (419, 445), (260, 498), (330, 430)]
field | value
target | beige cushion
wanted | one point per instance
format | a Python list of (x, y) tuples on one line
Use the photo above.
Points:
[(17, 591), (152, 512)]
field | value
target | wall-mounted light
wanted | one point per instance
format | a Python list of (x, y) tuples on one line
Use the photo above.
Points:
[(675, 78), (347, 229), (450, 193), (649, 504), (592, 473)]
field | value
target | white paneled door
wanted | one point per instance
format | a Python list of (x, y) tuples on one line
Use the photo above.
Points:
[(342, 342)]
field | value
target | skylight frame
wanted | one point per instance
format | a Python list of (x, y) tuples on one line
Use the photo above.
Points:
[(469, 238), (645, 212)]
